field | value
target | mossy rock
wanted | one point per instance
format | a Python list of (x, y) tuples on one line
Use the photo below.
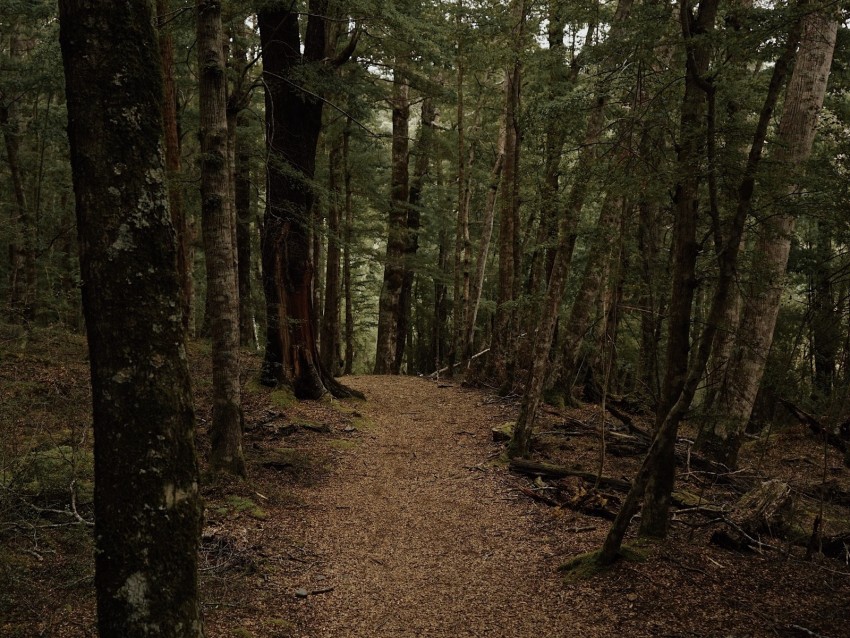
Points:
[(504, 432)]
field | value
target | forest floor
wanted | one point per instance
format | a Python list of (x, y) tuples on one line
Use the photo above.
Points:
[(398, 517)]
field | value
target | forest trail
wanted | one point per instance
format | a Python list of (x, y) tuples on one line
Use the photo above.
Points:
[(418, 538)]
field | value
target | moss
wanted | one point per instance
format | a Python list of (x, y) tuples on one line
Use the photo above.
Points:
[(52, 470), (247, 506), (241, 632), (283, 397), (585, 566), (363, 423), (504, 432), (555, 397), (281, 623), (342, 444)]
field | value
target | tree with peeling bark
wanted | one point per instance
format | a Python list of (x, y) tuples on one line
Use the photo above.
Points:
[(293, 124), (219, 243), (147, 505)]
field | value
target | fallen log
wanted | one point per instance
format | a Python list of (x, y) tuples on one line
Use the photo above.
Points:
[(549, 470), (815, 426)]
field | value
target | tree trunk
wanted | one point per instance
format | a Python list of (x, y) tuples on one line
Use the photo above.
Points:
[(803, 101), (685, 250), (346, 251), (460, 293), (217, 229), (244, 215), (147, 505), (484, 244), (293, 122), (655, 463), (389, 304), (420, 171), (501, 346), (329, 338), (172, 163), (22, 248)]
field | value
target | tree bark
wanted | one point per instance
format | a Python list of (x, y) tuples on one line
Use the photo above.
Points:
[(484, 243), (172, 163), (420, 171), (346, 254), (293, 122), (329, 338), (698, 50), (147, 505), (217, 228), (389, 303), (501, 345), (803, 101), (22, 279)]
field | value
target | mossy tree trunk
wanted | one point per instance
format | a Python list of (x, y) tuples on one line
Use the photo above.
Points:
[(219, 243), (147, 506)]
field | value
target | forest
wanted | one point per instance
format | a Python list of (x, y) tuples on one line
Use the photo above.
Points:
[(454, 317)]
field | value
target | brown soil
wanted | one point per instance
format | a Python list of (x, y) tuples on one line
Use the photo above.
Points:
[(397, 518)]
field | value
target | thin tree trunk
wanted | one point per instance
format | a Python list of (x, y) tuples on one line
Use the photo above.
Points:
[(501, 346), (346, 250), (544, 251), (389, 303), (242, 201), (462, 244), (217, 229), (148, 511), (685, 251), (329, 339), (592, 281), (172, 164), (420, 171), (521, 439), (484, 244), (21, 249)]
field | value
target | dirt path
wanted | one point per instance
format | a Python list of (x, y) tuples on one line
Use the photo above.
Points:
[(417, 541)]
